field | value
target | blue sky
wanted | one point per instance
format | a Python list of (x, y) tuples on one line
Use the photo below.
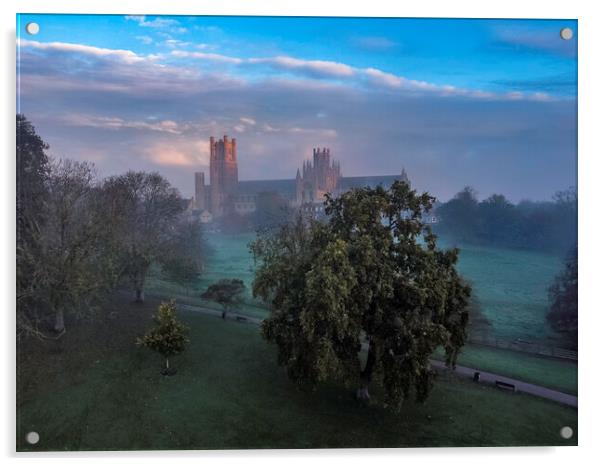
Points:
[(487, 103)]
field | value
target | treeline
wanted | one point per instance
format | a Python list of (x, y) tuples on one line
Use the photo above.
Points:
[(80, 237), (544, 226)]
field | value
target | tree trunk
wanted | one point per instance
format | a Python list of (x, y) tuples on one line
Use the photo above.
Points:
[(59, 321), (139, 295), (362, 393), (167, 364)]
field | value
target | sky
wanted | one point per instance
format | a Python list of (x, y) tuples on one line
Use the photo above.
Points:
[(486, 103)]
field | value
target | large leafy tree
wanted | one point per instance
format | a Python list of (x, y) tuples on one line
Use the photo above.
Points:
[(563, 292), (371, 276)]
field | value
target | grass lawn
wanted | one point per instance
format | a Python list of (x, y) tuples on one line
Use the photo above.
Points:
[(553, 373), (557, 374), (95, 390)]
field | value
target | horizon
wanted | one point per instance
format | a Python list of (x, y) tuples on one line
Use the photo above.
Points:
[(494, 108)]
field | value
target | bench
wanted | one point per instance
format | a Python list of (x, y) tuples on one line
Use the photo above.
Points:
[(505, 385)]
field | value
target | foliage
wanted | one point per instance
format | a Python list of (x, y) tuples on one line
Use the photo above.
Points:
[(227, 292), (143, 212), (563, 315), (168, 336), (460, 214), (33, 170), (187, 247), (78, 237), (69, 267), (546, 226), (371, 274)]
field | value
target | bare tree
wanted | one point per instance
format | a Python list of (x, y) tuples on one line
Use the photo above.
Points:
[(68, 273), (144, 211)]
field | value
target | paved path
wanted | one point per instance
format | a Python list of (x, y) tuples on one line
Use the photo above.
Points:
[(484, 377)]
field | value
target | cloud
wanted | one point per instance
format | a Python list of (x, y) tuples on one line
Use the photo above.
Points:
[(116, 123), (158, 22), (180, 154), (172, 43), (312, 67), (374, 42), (108, 70), (152, 114), (543, 40), (126, 56), (342, 72), (382, 78), (146, 40), (207, 56)]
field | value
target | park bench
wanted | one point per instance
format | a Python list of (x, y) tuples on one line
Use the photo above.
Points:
[(505, 385)]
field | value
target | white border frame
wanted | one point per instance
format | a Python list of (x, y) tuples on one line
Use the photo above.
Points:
[(590, 153)]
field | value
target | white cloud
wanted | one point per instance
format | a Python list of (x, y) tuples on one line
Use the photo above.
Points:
[(248, 121), (207, 56), (116, 123), (126, 56), (178, 153), (145, 39), (155, 23), (319, 67), (380, 77), (340, 72)]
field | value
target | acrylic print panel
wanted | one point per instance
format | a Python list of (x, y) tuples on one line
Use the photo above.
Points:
[(270, 232)]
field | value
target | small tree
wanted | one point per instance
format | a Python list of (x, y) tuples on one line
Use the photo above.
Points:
[(226, 292), (168, 337)]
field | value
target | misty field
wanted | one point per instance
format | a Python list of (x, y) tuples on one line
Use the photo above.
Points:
[(510, 285), (98, 391)]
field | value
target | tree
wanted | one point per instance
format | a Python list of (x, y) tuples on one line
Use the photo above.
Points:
[(459, 215), (226, 292), (144, 211), (184, 263), (498, 221), (69, 269), (563, 293), (371, 274), (33, 171), (168, 336)]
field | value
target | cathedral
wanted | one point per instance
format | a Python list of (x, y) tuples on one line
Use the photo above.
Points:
[(319, 177), (226, 196)]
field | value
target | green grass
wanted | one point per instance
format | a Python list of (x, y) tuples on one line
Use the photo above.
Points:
[(512, 288), (97, 391), (557, 374), (510, 285)]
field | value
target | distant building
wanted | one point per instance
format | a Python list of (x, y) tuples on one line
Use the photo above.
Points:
[(319, 177), (226, 195)]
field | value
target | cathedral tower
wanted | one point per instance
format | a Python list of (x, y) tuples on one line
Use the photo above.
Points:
[(223, 169)]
